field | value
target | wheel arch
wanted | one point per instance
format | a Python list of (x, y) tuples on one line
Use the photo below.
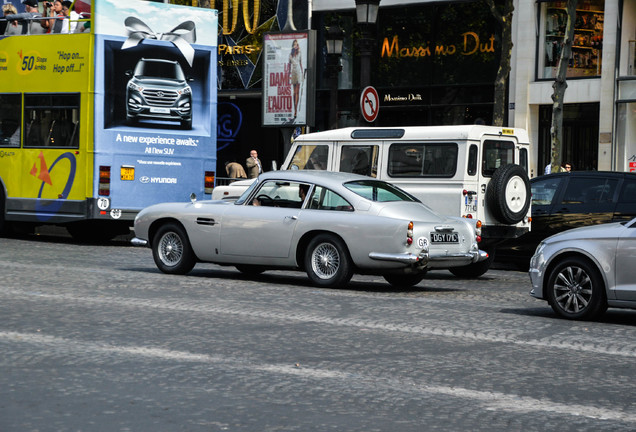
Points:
[(572, 254), (154, 227), (304, 240)]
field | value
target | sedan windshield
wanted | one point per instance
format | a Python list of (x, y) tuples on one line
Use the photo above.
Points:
[(379, 191)]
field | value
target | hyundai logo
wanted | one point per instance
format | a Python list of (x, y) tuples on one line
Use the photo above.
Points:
[(144, 179), (160, 94)]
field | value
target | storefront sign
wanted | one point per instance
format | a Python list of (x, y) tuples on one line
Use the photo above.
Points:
[(471, 44)]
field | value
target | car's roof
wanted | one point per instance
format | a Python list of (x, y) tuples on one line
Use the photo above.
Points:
[(586, 174), (313, 176)]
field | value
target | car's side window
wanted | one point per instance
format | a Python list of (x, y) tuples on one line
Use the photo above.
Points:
[(325, 199), (586, 190), (423, 160), (276, 193), (628, 194), (543, 191), (358, 159)]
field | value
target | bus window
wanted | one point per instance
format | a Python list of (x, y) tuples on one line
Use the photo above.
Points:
[(10, 120), (51, 120)]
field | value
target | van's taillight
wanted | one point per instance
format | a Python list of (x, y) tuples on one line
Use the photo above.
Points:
[(209, 182), (104, 180)]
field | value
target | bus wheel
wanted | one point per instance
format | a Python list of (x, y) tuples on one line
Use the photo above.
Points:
[(1, 213), (171, 250)]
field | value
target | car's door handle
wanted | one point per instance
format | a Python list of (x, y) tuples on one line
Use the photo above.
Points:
[(291, 217)]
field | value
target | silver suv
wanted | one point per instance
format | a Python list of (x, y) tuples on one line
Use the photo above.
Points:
[(158, 90)]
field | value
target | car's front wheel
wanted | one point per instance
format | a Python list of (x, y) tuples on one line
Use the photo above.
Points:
[(171, 250), (576, 290), (404, 280), (327, 261)]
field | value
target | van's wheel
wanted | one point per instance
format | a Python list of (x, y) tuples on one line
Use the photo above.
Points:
[(404, 280), (327, 261), (474, 270), (508, 194), (575, 289), (171, 250)]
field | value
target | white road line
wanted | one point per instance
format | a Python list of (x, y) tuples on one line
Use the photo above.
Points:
[(623, 349), (495, 401)]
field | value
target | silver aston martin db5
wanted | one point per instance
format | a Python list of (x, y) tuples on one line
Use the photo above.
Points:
[(328, 224), (582, 271)]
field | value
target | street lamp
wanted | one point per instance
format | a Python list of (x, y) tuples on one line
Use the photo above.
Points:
[(335, 37), (366, 16)]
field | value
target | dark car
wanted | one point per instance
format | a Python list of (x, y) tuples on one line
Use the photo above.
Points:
[(570, 200), (158, 90)]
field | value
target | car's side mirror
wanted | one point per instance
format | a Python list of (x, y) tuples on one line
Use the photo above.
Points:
[(128, 73)]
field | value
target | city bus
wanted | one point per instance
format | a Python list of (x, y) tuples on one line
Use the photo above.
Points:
[(102, 121)]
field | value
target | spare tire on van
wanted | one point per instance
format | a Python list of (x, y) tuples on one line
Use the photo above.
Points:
[(508, 194)]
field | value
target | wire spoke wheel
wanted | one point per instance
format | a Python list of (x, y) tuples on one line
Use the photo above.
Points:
[(325, 261), (170, 249)]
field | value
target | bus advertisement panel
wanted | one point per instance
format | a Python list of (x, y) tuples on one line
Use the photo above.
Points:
[(155, 101), (98, 124)]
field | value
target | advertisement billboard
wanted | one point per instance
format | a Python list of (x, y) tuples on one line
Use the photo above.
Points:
[(288, 79)]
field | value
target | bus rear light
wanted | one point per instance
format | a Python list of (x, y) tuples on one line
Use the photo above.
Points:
[(104, 180), (208, 182)]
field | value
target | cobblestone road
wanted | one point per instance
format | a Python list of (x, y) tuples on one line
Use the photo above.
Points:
[(95, 338)]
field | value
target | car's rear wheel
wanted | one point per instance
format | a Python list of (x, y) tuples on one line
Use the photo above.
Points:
[(508, 194), (171, 250), (404, 280), (575, 289), (327, 261)]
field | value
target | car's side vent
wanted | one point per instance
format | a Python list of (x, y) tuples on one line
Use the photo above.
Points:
[(205, 221)]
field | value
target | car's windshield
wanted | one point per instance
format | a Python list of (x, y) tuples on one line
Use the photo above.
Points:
[(159, 69), (375, 190), (246, 194)]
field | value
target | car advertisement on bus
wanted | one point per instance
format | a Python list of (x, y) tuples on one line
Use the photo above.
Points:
[(155, 98)]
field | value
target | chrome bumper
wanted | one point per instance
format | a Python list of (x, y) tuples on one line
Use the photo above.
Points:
[(424, 258), (139, 242)]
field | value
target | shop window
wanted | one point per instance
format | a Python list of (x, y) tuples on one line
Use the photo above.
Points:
[(51, 120), (587, 43), (10, 120)]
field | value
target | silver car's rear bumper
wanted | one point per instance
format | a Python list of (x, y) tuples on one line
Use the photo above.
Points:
[(425, 258), (139, 242)]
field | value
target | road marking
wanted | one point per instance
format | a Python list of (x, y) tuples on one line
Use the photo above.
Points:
[(622, 349), (495, 401)]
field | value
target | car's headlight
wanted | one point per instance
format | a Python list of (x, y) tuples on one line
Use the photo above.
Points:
[(539, 248), (186, 91), (135, 87)]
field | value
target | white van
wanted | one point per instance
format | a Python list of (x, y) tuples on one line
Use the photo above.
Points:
[(472, 171)]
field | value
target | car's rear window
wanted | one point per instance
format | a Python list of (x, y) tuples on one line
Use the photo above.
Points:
[(378, 191)]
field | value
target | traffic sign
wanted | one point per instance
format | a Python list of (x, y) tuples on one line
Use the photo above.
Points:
[(369, 104)]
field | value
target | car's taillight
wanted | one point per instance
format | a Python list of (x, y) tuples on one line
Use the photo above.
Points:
[(104, 180), (409, 234), (478, 231), (208, 182)]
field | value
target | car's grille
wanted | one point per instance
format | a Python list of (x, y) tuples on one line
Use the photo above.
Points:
[(160, 97)]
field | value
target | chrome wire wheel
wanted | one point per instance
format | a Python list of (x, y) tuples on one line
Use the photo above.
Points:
[(170, 249), (573, 289), (325, 260)]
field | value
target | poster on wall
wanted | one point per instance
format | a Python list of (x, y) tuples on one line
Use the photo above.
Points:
[(288, 84), (155, 90)]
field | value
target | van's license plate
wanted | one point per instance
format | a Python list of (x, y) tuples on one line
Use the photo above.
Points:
[(127, 173), (451, 237)]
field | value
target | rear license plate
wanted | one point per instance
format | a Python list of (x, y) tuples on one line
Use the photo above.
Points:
[(127, 173), (450, 237), (155, 110)]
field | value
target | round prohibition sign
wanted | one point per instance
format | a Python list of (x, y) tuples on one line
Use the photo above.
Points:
[(369, 104)]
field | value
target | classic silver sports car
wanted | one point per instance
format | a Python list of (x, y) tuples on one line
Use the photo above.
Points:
[(582, 271), (330, 224)]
